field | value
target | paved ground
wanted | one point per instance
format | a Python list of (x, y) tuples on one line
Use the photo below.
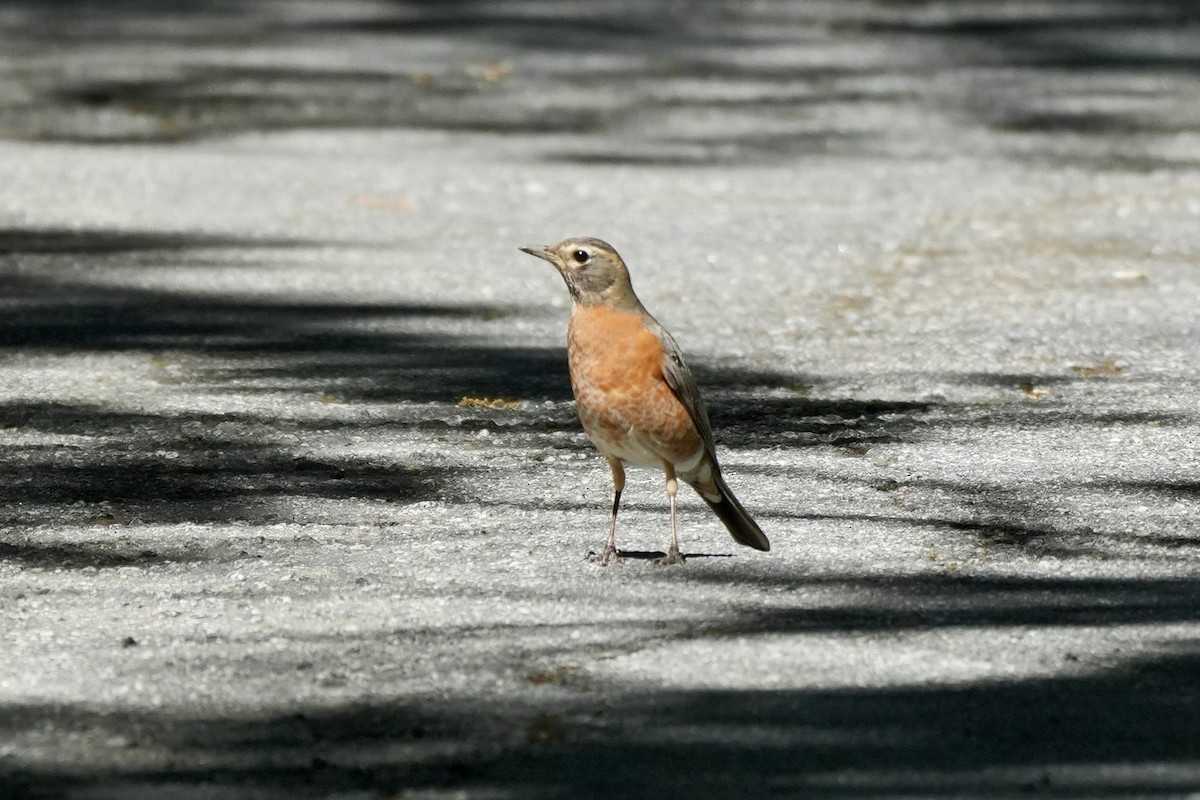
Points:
[(934, 264)]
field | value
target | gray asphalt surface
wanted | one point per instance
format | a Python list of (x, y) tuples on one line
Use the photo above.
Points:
[(263, 535)]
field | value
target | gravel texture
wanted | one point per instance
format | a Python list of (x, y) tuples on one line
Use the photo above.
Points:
[(294, 502)]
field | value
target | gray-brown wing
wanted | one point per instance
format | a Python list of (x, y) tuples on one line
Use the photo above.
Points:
[(680, 379)]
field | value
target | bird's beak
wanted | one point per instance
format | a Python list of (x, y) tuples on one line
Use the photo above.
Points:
[(541, 252)]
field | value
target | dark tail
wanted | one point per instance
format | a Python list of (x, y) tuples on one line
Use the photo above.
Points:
[(743, 527)]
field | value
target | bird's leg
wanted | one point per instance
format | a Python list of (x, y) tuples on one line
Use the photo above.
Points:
[(611, 555), (673, 555)]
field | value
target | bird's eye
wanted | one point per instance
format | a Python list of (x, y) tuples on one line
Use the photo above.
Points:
[(581, 256)]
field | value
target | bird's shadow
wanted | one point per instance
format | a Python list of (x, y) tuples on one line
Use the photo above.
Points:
[(653, 555)]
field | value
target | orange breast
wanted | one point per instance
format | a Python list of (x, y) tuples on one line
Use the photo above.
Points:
[(625, 404)]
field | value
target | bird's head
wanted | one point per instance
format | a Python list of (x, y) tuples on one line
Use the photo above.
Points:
[(594, 273)]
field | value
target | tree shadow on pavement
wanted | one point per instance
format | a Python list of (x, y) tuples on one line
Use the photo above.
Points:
[(666, 83), (175, 467), (1118, 727), (935, 602)]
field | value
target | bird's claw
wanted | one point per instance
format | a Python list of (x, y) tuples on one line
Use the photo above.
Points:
[(673, 556), (611, 555)]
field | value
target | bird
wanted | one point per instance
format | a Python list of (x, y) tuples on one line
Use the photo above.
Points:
[(636, 397)]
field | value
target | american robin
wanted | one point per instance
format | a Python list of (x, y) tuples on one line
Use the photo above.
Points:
[(636, 397)]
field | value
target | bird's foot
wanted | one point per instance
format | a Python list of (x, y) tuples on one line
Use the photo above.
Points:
[(673, 556), (611, 555)]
